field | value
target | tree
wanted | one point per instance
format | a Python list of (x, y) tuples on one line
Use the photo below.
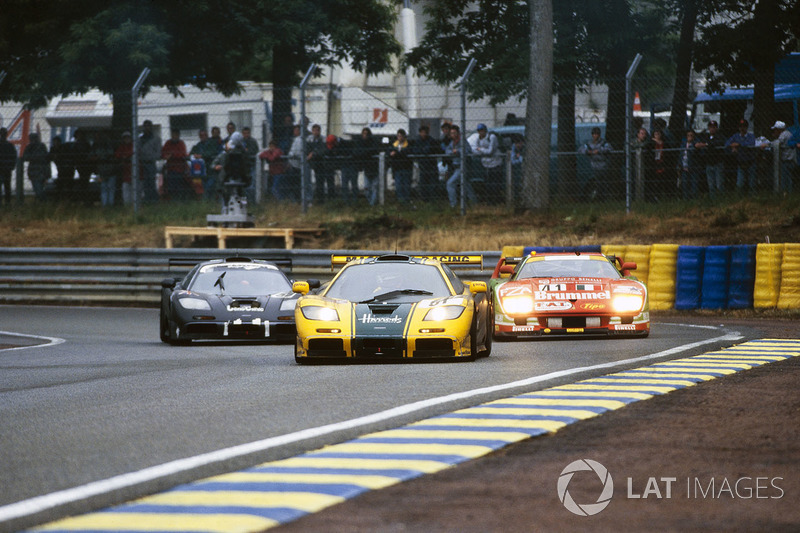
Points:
[(744, 47), (536, 177), (74, 45)]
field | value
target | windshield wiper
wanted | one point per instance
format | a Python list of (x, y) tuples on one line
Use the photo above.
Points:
[(219, 283), (391, 294)]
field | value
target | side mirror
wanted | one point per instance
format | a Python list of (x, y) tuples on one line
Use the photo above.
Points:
[(627, 267), (477, 287), (313, 283), (169, 283), (507, 269), (301, 287)]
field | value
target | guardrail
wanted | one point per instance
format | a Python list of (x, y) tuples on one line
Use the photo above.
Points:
[(132, 276)]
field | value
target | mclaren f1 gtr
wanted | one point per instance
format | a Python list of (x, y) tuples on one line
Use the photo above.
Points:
[(235, 298), (394, 307)]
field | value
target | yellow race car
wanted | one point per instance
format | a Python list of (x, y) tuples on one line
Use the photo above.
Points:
[(394, 307)]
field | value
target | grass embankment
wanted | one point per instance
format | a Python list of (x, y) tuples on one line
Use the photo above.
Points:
[(429, 227)]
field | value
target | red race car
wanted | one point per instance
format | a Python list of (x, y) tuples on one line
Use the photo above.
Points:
[(568, 294)]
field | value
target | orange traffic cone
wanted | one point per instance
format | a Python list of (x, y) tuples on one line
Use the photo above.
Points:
[(637, 103)]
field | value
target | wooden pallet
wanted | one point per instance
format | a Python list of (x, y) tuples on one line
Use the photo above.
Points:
[(222, 234)]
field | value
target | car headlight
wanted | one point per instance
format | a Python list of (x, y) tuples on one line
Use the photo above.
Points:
[(447, 312), (289, 305), (518, 305), (316, 312), (195, 304), (627, 303)]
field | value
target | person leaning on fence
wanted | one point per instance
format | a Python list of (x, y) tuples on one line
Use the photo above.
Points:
[(276, 160), (8, 161), (517, 156), (453, 152), (38, 159), (123, 153), (61, 156), (295, 161), (343, 157), (426, 147), (402, 166), (102, 158), (206, 149), (365, 155), (487, 146), (149, 151), (712, 151), (742, 146), (81, 153), (315, 153), (598, 151), (787, 154), (687, 166), (176, 179)]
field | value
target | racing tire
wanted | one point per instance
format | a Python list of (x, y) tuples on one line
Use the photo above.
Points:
[(163, 324)]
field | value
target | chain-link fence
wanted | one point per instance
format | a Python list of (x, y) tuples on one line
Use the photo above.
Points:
[(396, 141)]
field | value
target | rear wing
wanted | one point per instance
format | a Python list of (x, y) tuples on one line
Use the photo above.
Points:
[(453, 260), (505, 261)]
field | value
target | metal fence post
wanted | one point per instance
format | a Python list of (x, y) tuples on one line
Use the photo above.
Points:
[(463, 144), (304, 177), (135, 129), (628, 122)]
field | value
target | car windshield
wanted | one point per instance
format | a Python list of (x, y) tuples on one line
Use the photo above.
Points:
[(240, 280), (383, 281), (568, 268)]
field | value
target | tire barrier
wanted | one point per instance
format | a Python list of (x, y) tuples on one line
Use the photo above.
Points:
[(789, 297), (768, 275), (716, 282), (743, 276), (689, 277)]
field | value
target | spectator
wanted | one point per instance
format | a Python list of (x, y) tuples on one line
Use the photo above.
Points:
[(658, 183), (453, 151), (402, 166), (365, 150), (149, 153), (597, 150), (517, 158), (123, 153), (216, 136), (444, 166), (343, 154), (8, 161), (488, 146), (273, 155), (176, 185), (787, 154), (285, 134), (712, 145), (61, 155), (38, 160), (251, 150), (687, 166), (426, 147), (325, 185), (82, 156), (206, 149), (102, 158), (295, 164), (742, 145), (315, 153), (641, 145), (230, 128)]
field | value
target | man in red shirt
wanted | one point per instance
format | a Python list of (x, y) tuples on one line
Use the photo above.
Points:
[(176, 184)]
